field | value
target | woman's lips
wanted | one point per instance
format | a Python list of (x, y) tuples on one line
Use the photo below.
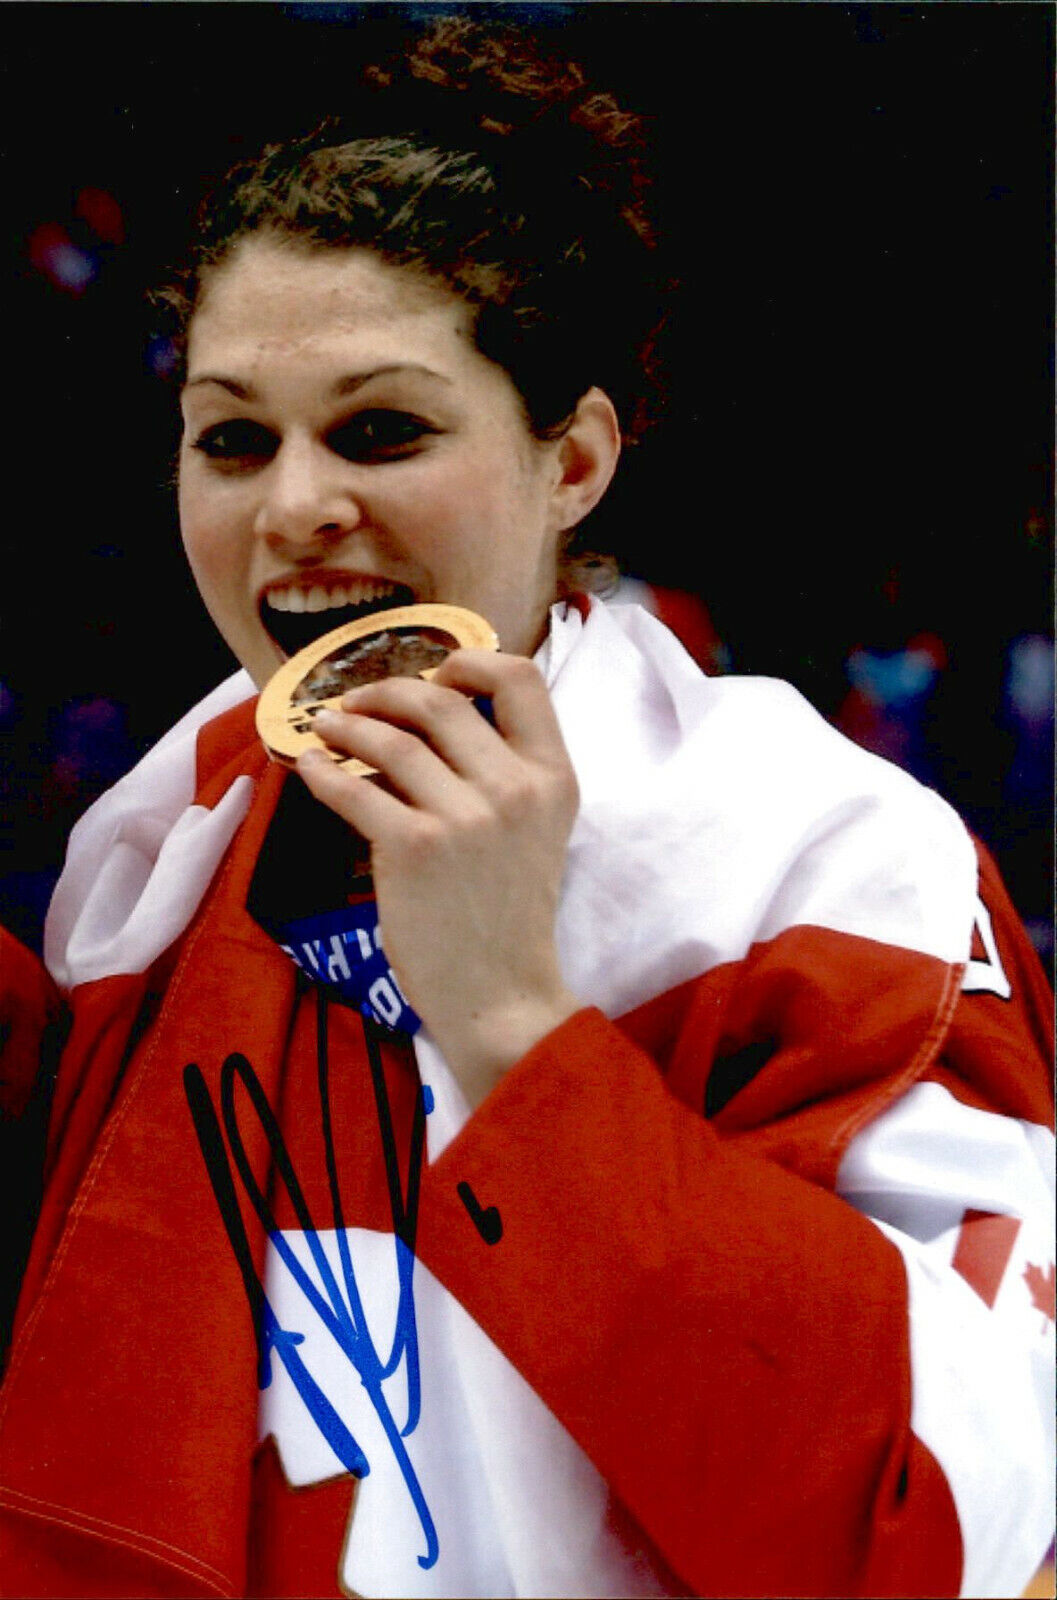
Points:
[(297, 610)]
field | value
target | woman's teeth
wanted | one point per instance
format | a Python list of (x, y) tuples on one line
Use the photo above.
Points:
[(317, 598), (295, 616)]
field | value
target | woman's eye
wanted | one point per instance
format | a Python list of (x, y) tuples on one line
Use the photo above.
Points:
[(240, 442), (379, 436)]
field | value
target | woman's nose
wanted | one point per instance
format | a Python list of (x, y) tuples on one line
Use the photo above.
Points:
[(305, 501)]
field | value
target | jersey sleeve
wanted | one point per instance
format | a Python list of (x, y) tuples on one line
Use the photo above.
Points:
[(789, 1381)]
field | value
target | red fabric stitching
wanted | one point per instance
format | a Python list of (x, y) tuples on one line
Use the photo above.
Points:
[(142, 1543), (919, 1064)]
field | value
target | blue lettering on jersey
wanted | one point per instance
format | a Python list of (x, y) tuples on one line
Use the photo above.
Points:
[(343, 949)]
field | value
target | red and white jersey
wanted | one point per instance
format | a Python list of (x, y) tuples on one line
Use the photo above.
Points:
[(741, 1282)]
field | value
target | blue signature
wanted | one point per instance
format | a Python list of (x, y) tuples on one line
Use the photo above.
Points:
[(341, 1313)]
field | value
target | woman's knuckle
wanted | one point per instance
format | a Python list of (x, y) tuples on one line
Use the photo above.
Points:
[(568, 789), (515, 799), (523, 672), (422, 836), (443, 706), (394, 744)]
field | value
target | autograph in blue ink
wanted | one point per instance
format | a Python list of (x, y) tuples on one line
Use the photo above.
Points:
[(341, 1313)]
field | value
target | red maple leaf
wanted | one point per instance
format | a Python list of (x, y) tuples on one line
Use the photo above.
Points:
[(1043, 1288)]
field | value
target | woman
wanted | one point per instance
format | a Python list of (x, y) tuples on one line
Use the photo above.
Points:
[(695, 1242)]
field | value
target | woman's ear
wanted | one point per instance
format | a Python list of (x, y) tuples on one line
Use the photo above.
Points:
[(587, 454)]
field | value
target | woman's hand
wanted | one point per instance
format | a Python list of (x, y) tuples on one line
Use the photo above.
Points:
[(468, 835)]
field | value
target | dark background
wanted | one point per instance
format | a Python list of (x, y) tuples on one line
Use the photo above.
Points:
[(856, 450)]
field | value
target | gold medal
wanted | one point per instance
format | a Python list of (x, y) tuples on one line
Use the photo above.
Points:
[(407, 642)]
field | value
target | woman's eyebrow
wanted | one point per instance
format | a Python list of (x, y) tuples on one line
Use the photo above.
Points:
[(355, 380), (232, 385), (345, 385)]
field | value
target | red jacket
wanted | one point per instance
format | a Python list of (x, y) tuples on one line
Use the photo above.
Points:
[(684, 1276)]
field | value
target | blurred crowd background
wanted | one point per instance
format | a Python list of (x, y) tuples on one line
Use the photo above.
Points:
[(851, 484)]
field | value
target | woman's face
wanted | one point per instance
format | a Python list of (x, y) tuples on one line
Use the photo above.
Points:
[(345, 445)]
